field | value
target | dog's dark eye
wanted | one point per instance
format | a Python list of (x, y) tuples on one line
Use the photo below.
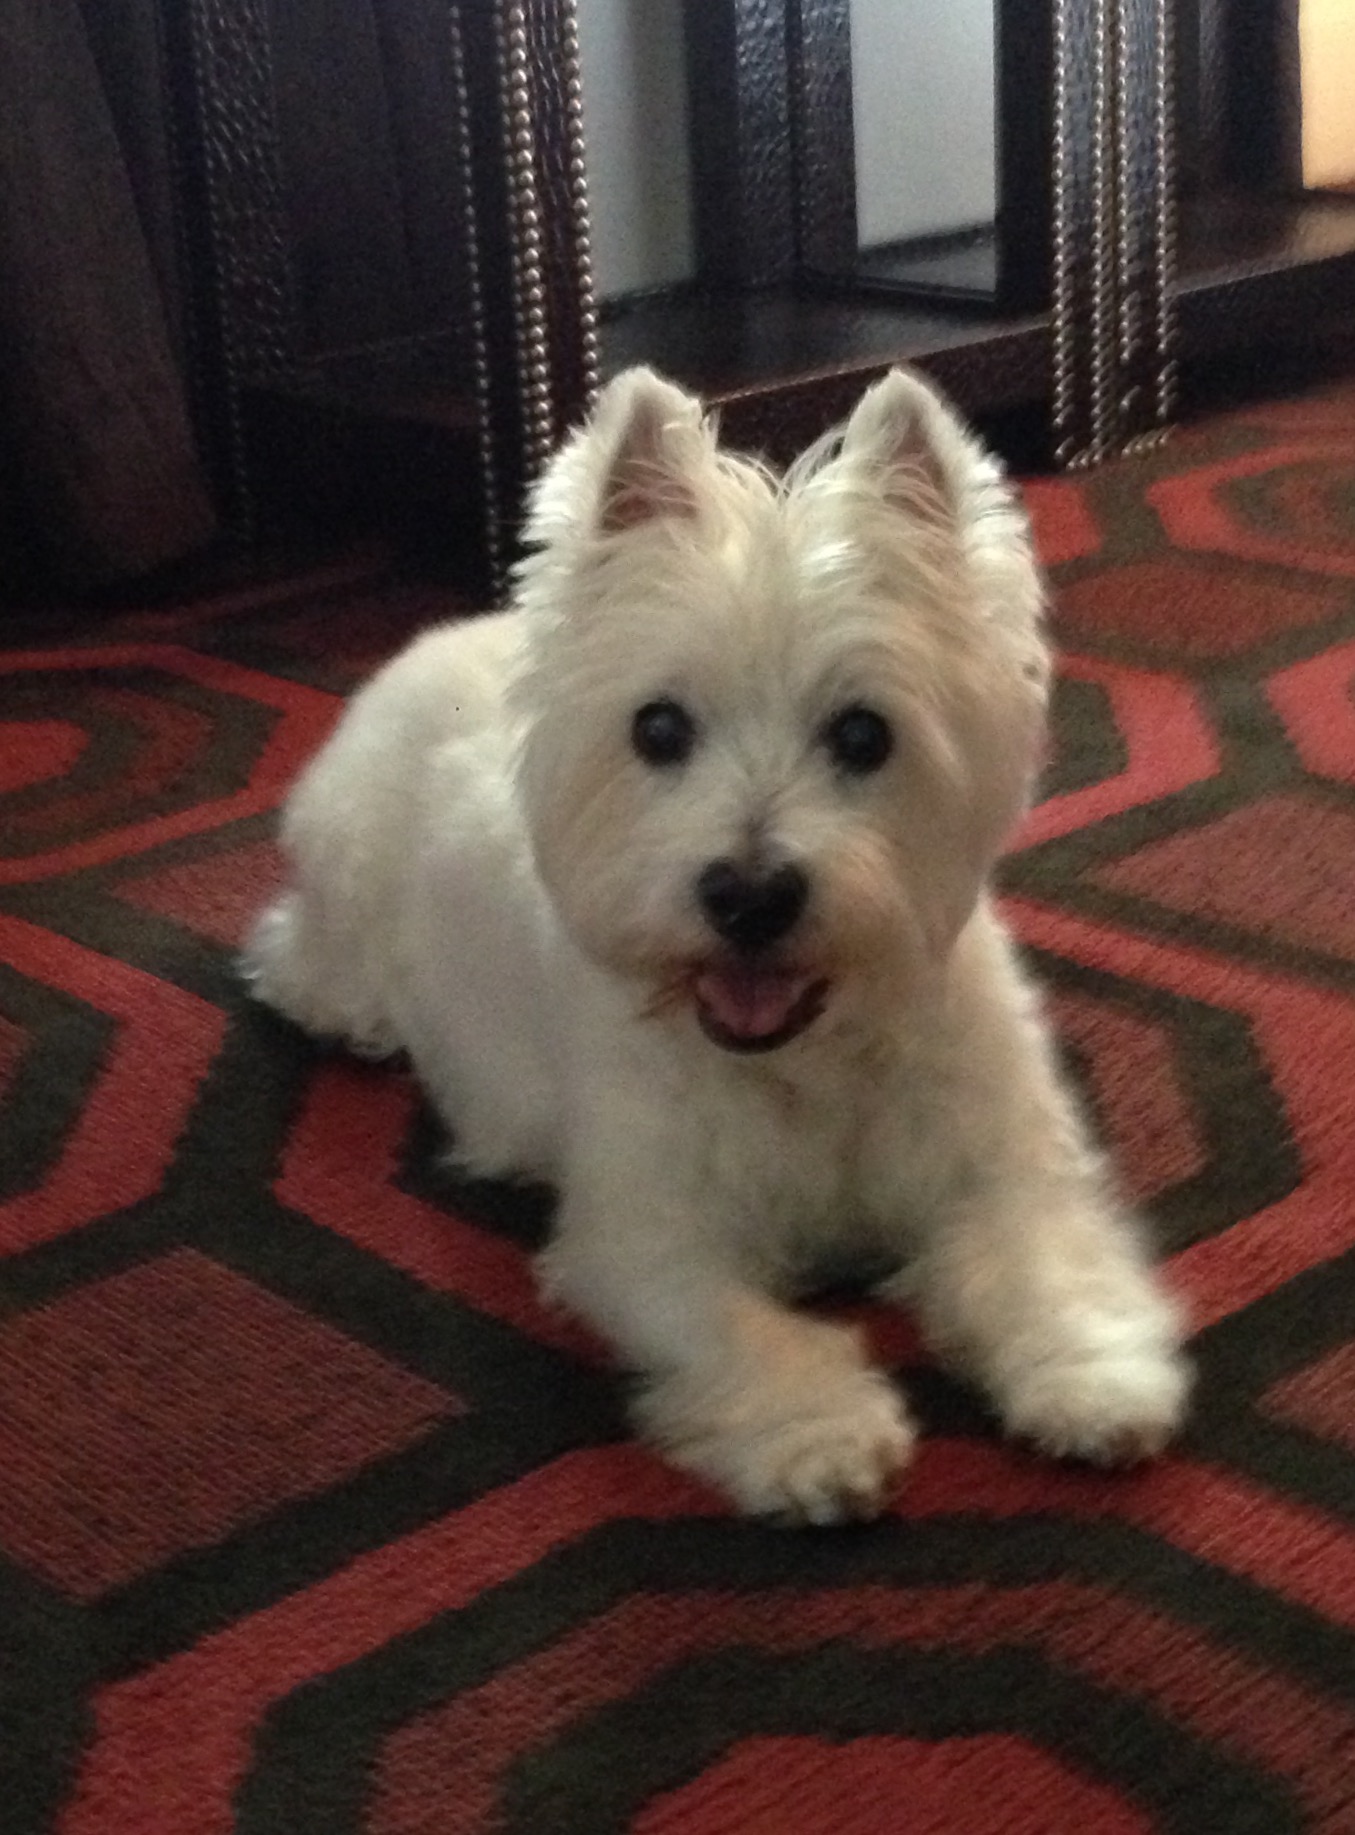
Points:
[(663, 733), (859, 740)]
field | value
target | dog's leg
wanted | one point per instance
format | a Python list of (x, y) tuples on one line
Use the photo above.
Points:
[(1042, 1293), (294, 965), (779, 1410), (1026, 1272)]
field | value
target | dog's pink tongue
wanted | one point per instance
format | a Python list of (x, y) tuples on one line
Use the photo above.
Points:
[(750, 1003)]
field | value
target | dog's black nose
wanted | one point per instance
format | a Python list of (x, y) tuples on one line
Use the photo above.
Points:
[(751, 911)]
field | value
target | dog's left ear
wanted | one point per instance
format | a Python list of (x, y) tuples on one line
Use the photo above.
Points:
[(904, 434)]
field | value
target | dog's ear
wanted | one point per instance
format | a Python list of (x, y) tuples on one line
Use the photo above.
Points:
[(905, 436), (654, 445)]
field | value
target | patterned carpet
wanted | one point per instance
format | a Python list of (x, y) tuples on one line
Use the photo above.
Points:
[(312, 1520)]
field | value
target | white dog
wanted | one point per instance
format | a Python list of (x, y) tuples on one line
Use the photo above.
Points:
[(672, 881)]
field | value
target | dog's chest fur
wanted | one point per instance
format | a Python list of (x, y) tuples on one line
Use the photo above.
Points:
[(819, 1171)]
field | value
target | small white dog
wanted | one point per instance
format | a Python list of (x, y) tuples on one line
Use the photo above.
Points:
[(673, 882)]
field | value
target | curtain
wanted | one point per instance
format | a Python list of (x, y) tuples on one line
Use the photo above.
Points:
[(99, 470)]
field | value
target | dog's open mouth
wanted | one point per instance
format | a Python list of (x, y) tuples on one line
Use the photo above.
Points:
[(754, 1007)]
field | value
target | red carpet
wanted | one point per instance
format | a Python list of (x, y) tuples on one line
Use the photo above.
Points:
[(313, 1521)]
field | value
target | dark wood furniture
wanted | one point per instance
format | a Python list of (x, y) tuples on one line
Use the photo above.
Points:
[(1140, 238), (385, 215), (1150, 223)]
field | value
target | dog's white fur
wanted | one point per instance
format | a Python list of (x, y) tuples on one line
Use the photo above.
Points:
[(486, 875)]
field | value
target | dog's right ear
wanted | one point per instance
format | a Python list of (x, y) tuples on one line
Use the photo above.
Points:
[(651, 442), (646, 453)]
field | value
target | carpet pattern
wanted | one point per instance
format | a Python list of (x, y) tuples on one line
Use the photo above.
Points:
[(313, 1519)]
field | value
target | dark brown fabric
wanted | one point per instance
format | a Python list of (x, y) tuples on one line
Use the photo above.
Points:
[(101, 467), (128, 42)]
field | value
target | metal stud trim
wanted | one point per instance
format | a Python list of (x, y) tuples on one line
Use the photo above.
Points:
[(1114, 315)]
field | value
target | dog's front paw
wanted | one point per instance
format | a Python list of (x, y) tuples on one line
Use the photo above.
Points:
[(830, 1467), (795, 1455), (1113, 1407)]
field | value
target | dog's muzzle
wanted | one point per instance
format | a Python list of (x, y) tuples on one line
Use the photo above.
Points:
[(744, 1000)]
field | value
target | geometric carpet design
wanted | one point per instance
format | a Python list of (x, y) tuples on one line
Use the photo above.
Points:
[(314, 1520)]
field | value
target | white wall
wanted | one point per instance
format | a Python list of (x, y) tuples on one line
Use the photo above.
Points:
[(923, 86), (635, 131), (1327, 75), (922, 95)]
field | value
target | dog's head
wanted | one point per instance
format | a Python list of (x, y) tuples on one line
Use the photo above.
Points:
[(777, 727)]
